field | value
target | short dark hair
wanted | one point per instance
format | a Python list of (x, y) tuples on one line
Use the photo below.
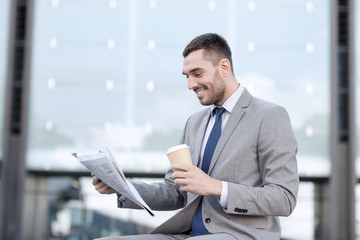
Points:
[(213, 44)]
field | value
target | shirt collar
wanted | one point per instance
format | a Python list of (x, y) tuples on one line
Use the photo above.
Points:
[(230, 103)]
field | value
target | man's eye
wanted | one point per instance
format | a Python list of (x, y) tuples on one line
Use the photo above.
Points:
[(197, 75)]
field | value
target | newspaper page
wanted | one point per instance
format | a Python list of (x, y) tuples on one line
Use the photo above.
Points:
[(107, 169)]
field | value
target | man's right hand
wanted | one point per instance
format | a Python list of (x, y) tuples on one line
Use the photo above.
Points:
[(101, 187)]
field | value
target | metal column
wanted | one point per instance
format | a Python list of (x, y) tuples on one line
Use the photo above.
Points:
[(342, 179), (15, 121)]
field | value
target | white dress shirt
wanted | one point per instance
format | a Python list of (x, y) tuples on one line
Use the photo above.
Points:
[(229, 105)]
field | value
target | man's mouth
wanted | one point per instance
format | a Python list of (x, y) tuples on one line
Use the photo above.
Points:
[(200, 92)]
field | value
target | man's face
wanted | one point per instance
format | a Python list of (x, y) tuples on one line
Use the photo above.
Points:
[(204, 79)]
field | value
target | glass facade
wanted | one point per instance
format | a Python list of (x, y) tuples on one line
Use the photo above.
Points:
[(110, 72), (288, 62), (4, 28), (69, 208)]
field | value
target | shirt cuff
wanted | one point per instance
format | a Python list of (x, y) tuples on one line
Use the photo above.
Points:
[(224, 195), (121, 198)]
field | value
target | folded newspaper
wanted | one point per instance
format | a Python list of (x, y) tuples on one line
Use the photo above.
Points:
[(107, 169)]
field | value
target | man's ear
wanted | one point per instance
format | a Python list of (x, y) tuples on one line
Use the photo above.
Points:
[(225, 67)]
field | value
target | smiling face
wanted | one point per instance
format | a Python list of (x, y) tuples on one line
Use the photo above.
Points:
[(205, 78)]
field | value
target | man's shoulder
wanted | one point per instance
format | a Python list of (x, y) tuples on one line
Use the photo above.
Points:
[(262, 102), (247, 100), (262, 109)]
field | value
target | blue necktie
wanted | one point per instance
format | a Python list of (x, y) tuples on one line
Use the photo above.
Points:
[(198, 227)]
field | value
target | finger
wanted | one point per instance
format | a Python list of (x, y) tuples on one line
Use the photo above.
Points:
[(110, 190), (99, 186), (183, 188), (180, 166), (181, 181), (95, 180), (93, 174), (103, 189), (179, 174), (175, 175)]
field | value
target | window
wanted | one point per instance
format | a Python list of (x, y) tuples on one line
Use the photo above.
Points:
[(288, 62), (4, 21), (110, 72)]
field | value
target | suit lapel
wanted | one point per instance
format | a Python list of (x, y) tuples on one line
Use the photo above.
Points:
[(234, 119)]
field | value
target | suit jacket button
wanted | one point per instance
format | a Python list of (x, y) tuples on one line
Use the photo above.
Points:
[(207, 220)]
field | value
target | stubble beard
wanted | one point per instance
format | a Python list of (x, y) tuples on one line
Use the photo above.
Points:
[(217, 92)]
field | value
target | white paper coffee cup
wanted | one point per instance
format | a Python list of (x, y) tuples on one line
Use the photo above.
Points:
[(179, 154)]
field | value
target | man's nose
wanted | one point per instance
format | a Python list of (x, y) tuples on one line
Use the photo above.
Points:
[(191, 83)]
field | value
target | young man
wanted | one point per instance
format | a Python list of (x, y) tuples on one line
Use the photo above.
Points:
[(244, 172)]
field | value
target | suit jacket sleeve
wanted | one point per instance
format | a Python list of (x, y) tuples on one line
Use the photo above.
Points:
[(159, 196)]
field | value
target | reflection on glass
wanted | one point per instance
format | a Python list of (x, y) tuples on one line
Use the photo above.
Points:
[(286, 62), (4, 22), (68, 208), (110, 72)]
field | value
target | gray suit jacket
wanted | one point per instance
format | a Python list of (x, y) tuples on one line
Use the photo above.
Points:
[(256, 155)]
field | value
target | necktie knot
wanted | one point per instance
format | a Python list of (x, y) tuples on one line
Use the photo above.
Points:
[(219, 111)]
